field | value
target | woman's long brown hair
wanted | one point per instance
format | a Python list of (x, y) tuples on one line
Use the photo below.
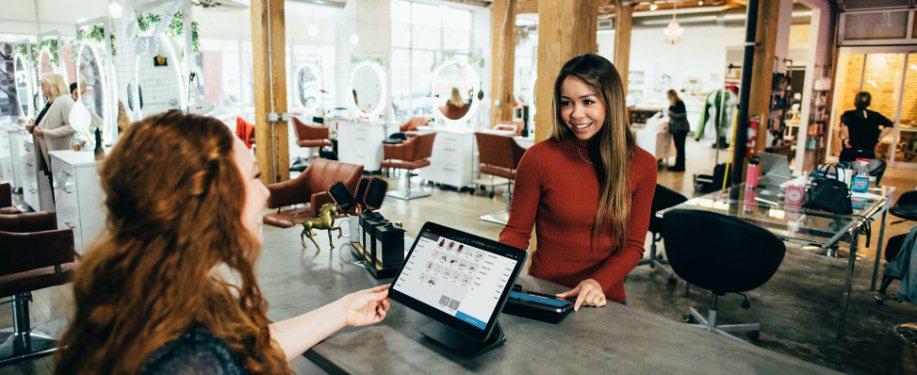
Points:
[(174, 198), (615, 141)]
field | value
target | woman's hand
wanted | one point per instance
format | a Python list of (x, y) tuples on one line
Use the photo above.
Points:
[(364, 307), (588, 293), (39, 131)]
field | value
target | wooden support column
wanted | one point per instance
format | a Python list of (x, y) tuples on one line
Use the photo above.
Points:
[(763, 68), (566, 28), (270, 89), (503, 31), (624, 22)]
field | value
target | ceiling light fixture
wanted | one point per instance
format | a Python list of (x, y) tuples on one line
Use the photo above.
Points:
[(653, 6), (673, 33)]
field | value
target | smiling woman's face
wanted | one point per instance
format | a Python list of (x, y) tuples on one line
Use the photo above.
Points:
[(581, 108)]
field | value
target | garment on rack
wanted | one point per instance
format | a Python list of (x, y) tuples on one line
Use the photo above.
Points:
[(904, 267), (722, 103)]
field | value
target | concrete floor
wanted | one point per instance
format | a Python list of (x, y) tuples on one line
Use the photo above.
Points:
[(797, 308)]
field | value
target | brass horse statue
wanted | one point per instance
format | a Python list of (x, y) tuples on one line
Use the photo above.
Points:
[(324, 220)]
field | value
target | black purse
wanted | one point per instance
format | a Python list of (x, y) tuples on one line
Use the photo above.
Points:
[(829, 194)]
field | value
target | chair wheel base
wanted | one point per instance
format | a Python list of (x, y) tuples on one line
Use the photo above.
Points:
[(14, 349)]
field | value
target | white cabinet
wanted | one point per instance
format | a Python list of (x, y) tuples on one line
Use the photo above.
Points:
[(454, 161), (6, 160), (361, 143), (36, 190), (78, 194)]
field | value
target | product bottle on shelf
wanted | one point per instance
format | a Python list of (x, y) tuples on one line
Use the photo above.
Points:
[(860, 181)]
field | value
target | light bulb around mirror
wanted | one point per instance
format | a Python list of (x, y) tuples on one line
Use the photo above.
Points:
[(312, 30), (354, 39)]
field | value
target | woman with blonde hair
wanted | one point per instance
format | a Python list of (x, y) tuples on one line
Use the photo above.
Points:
[(588, 189), (456, 107), (52, 128), (170, 287)]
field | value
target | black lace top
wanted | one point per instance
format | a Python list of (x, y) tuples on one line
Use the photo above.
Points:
[(195, 352)]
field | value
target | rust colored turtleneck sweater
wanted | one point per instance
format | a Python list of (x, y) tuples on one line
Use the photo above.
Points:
[(557, 191)]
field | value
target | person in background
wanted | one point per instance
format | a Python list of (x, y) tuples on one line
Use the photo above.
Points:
[(678, 127), (52, 130), (587, 189), (861, 129), (455, 107), (170, 287)]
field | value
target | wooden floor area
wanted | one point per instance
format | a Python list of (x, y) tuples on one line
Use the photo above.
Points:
[(795, 308)]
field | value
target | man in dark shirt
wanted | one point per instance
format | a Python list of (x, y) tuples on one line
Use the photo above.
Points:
[(860, 130)]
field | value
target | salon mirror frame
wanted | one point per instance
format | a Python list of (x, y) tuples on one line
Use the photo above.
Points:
[(475, 87), (177, 68), (22, 68), (298, 90), (109, 101), (58, 68), (377, 111)]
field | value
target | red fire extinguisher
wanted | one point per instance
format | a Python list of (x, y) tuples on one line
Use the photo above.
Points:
[(752, 136)]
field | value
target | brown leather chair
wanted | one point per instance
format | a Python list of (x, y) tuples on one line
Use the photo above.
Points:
[(412, 124), (34, 255), (412, 154), (311, 136), (309, 189), (499, 156), (513, 126), (6, 200)]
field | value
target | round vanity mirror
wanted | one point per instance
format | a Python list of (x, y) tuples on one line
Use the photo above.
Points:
[(24, 87), (159, 83), (455, 86), (308, 88), (93, 88), (367, 84)]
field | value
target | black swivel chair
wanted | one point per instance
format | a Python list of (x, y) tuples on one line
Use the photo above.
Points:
[(721, 254), (663, 198), (906, 209)]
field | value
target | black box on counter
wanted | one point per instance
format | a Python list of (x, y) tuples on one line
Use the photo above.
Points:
[(389, 246)]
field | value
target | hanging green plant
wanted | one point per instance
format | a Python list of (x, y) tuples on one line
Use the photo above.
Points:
[(97, 34), (378, 60), (51, 45), (175, 30), (23, 50)]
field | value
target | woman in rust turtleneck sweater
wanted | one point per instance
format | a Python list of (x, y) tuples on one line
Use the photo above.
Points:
[(587, 189)]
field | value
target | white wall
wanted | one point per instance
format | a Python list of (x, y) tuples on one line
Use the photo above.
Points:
[(701, 53)]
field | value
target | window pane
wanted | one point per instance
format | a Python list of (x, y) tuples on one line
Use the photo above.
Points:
[(876, 25), (401, 34), (401, 11), (421, 75), (401, 82), (427, 37), (457, 19), (425, 14), (456, 40)]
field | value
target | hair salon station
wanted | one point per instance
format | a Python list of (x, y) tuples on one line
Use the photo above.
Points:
[(422, 111)]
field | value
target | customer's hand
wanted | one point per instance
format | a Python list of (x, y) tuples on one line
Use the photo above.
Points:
[(364, 307), (847, 143), (588, 293), (39, 131)]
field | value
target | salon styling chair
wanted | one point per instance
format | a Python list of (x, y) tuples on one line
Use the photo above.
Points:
[(905, 208), (499, 156), (304, 195), (412, 154), (6, 200), (311, 136), (34, 255), (723, 255)]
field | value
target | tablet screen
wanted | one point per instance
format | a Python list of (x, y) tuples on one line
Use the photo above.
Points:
[(457, 278)]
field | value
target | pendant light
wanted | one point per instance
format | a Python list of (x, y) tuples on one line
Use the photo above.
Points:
[(673, 32)]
